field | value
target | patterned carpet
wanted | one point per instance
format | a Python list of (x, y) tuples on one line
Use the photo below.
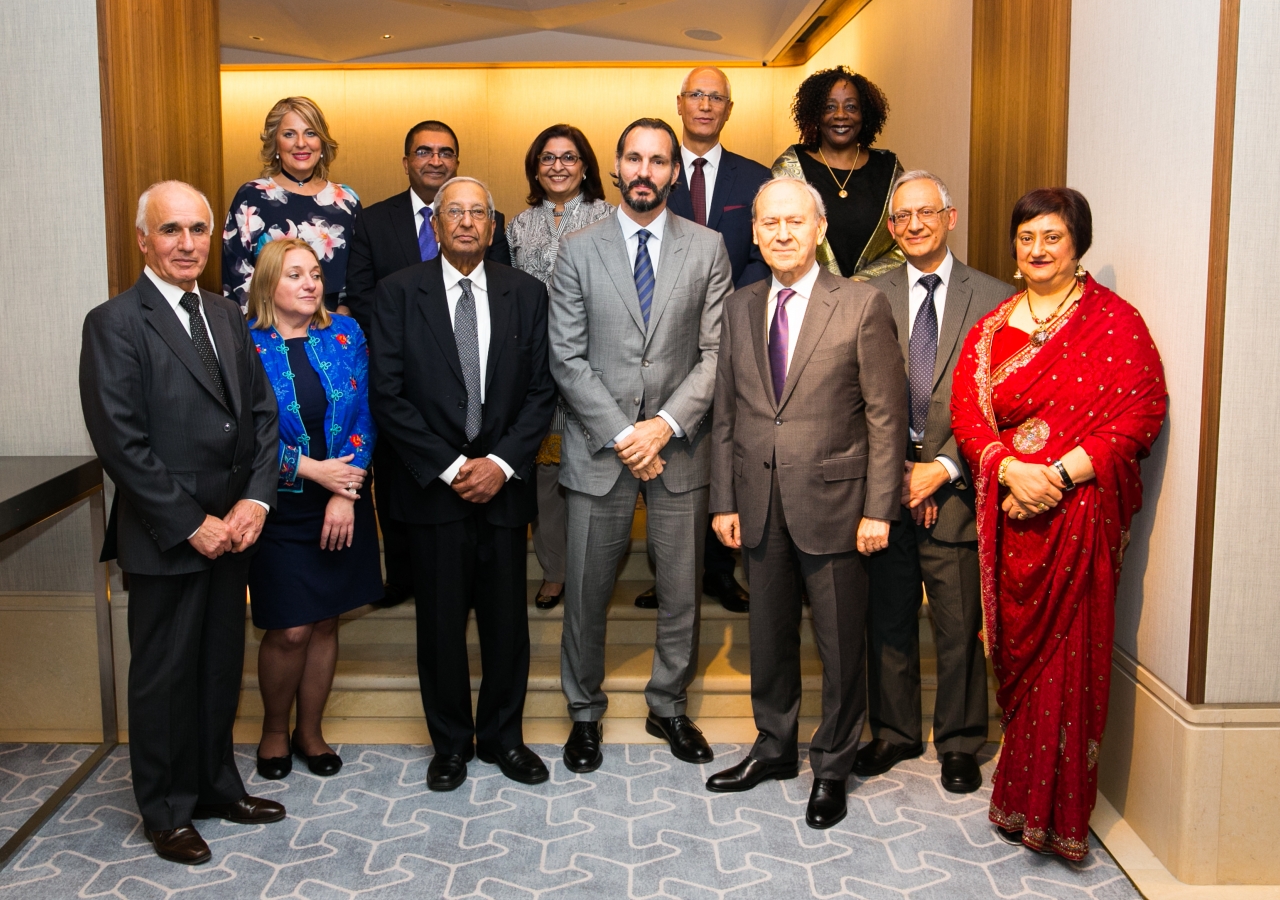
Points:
[(29, 773), (640, 827)]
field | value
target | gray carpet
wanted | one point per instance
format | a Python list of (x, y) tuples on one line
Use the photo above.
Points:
[(29, 773), (641, 827)]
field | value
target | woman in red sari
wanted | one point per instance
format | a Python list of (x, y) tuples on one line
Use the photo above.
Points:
[(1058, 394)]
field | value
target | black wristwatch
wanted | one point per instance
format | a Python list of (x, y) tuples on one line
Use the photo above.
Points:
[(1067, 483)]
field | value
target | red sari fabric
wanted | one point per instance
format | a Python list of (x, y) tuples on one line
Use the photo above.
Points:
[(1049, 583)]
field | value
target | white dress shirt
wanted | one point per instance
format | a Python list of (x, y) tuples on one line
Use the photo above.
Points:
[(796, 308), (452, 294), (420, 209), (630, 228), (915, 299), (709, 170)]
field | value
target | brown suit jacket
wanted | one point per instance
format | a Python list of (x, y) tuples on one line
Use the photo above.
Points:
[(837, 434)]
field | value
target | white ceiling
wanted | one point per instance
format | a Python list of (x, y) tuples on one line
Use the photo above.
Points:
[(472, 31)]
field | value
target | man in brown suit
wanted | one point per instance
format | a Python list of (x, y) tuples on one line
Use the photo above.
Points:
[(810, 422)]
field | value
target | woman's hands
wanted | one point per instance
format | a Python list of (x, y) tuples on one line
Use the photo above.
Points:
[(1033, 489), (336, 476), (339, 523)]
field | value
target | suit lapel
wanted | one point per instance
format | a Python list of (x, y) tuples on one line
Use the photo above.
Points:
[(681, 201), (224, 340), (500, 303), (671, 260), (724, 184), (613, 253), (959, 295), (435, 308), (821, 306), (899, 294), (405, 225), (757, 309), (160, 315)]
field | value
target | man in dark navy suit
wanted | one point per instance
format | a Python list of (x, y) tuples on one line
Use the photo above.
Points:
[(716, 188)]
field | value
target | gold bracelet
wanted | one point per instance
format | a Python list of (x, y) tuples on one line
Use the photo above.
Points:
[(1004, 466)]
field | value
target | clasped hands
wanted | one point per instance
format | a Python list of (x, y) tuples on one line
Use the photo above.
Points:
[(236, 532), (478, 480), (1033, 489), (639, 450), (920, 481)]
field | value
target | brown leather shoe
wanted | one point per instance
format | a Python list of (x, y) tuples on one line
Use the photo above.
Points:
[(245, 811), (181, 845)]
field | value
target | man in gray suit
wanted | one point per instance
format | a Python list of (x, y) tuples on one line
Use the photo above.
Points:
[(936, 300), (810, 420), (181, 414), (634, 325)]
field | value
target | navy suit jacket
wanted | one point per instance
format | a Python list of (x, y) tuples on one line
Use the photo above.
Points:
[(736, 184)]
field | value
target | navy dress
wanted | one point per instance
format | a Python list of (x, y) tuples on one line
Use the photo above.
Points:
[(292, 580)]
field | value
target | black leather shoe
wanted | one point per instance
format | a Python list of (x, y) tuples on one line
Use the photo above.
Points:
[(880, 756), (582, 750), (394, 595), (519, 764), (648, 599), (725, 588), (181, 845), (324, 764), (276, 767), (447, 771), (827, 804), (546, 601), (960, 772), (685, 738), (750, 772), (245, 811), (1010, 837)]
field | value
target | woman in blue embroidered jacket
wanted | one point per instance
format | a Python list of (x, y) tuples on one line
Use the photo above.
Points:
[(318, 554)]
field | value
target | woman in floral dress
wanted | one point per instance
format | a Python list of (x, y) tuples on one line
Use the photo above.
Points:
[(293, 199)]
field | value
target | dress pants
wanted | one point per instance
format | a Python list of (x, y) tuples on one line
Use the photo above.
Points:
[(186, 640), (949, 572), (548, 528), (598, 535), (837, 586), (457, 566), (395, 535)]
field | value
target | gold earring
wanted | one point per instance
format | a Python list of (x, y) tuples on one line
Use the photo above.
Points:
[(1017, 274), (1080, 272)]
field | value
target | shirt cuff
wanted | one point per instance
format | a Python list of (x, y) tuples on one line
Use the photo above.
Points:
[(620, 435), (953, 471), (451, 473), (675, 426), (501, 463)]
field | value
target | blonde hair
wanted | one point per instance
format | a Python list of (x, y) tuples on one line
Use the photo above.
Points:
[(266, 278), (310, 113)]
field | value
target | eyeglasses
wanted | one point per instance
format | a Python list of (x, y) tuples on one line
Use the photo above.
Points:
[(569, 158), (427, 152), (455, 213), (699, 96), (927, 216)]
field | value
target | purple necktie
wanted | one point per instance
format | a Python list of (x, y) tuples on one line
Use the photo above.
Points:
[(427, 246), (778, 334)]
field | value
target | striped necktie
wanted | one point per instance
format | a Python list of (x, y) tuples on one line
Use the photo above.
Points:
[(644, 276)]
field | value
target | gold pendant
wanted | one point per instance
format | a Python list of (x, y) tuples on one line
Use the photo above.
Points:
[(844, 194), (1039, 337)]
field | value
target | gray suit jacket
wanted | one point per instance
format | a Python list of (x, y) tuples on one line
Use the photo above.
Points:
[(970, 296), (604, 361), (838, 433), (175, 451)]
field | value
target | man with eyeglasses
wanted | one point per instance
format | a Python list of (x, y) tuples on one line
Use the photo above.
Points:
[(936, 300), (460, 388), (389, 236)]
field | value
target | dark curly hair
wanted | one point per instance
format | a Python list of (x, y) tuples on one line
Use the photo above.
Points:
[(592, 188), (811, 99)]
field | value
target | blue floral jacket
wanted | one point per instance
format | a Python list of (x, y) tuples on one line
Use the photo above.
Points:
[(340, 355)]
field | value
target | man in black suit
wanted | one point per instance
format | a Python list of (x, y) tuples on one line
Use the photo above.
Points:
[(936, 300), (462, 389), (716, 189), (180, 412), (391, 235)]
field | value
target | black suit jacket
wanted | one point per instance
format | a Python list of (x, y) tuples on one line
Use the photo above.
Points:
[(736, 184), (386, 241), (175, 451), (420, 399)]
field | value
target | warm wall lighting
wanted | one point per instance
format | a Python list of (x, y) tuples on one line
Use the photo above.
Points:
[(701, 34)]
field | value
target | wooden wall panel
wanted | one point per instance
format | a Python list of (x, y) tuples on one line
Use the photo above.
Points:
[(161, 115), (1018, 132)]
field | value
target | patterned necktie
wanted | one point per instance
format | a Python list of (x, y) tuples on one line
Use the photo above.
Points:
[(427, 237), (923, 350), (200, 337), (779, 332), (644, 276), (466, 332), (698, 191)]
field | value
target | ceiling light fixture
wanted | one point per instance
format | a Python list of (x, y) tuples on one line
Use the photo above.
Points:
[(254, 37), (386, 37), (702, 34)]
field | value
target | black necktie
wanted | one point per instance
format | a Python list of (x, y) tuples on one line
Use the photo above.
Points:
[(466, 332), (200, 337), (923, 351)]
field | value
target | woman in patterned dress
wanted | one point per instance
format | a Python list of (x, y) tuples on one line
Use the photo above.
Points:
[(1058, 394), (294, 198), (565, 194)]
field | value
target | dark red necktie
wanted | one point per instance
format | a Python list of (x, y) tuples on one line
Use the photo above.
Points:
[(698, 191)]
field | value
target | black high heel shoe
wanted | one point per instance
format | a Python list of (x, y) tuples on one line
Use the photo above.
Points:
[(277, 767), (324, 765)]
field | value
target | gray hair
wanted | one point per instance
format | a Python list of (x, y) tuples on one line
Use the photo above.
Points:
[(921, 175), (435, 203), (140, 221), (813, 192)]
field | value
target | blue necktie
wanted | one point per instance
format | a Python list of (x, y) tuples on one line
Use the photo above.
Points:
[(644, 276), (923, 350), (427, 237)]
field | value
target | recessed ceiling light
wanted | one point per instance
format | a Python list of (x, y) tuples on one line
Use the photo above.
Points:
[(386, 37), (701, 34), (254, 37)]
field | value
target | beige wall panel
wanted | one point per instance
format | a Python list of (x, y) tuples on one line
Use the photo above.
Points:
[(1157, 131)]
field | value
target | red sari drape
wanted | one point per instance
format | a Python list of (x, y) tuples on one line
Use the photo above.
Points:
[(1049, 583)]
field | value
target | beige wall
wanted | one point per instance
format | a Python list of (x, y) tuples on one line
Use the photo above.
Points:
[(498, 111)]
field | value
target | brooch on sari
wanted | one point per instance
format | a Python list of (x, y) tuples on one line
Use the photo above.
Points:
[(1031, 436)]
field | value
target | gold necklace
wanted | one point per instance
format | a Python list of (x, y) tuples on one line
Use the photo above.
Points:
[(857, 152), (1041, 334)]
